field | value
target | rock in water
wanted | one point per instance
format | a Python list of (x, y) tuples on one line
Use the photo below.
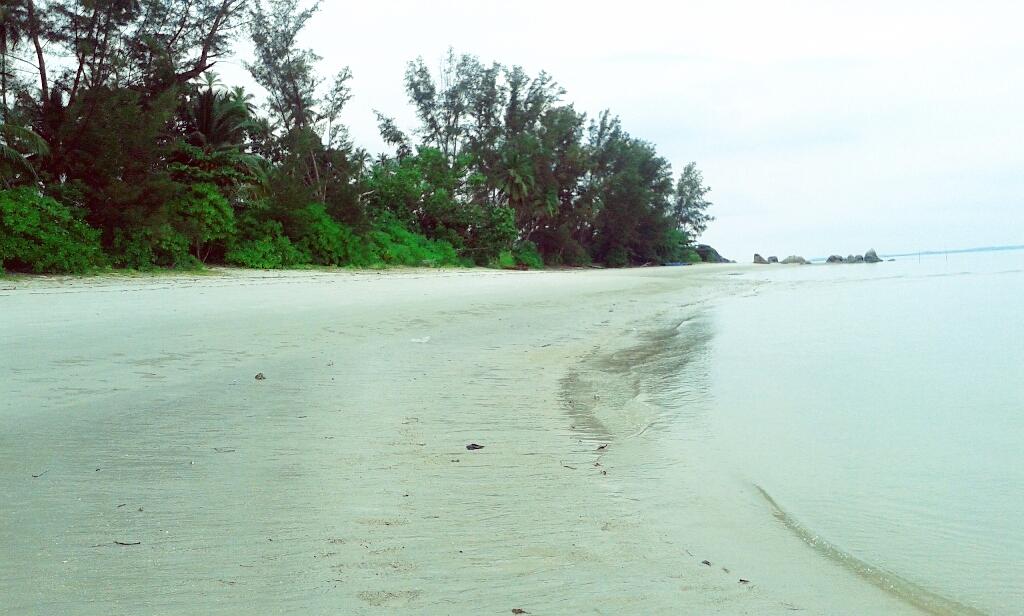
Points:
[(794, 260), (759, 260), (871, 257), (836, 259), (773, 259)]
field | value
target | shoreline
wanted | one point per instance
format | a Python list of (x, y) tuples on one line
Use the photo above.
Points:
[(342, 481)]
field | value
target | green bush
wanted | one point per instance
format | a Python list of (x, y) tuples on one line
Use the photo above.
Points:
[(160, 245), (495, 231), (690, 256), (673, 246), (201, 214), (617, 257), (263, 245), (41, 235), (526, 253), (393, 244), (574, 254), (329, 242), (504, 260), (133, 250)]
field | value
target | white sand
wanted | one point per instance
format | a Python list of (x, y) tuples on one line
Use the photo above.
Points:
[(341, 484)]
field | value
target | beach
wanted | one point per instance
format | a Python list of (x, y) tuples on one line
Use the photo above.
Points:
[(146, 470)]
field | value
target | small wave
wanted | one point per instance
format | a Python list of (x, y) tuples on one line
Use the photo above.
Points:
[(905, 590)]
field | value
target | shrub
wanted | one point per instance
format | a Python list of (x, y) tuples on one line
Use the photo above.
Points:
[(495, 231), (393, 244), (39, 234), (504, 260), (263, 245), (617, 257), (526, 254), (202, 215), (329, 242), (574, 254), (159, 245), (690, 256)]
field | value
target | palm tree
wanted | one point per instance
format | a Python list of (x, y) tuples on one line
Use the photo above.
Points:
[(244, 99), (219, 119), (517, 178), (17, 146)]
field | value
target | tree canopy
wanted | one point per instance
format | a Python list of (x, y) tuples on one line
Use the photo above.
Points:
[(114, 122)]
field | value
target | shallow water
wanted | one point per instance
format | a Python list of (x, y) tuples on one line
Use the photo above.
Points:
[(881, 407)]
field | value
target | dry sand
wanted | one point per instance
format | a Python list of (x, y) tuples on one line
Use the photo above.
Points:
[(341, 484)]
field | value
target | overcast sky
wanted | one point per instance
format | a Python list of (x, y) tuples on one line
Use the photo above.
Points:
[(822, 126)]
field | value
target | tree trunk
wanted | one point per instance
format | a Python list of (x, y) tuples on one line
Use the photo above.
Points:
[(33, 21), (3, 73)]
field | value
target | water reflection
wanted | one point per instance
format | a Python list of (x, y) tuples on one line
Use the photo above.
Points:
[(658, 378)]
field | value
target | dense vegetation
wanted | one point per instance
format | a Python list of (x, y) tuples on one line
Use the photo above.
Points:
[(120, 147)]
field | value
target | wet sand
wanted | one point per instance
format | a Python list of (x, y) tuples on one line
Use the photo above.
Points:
[(144, 470)]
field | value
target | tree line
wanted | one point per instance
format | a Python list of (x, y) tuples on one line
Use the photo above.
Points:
[(119, 146)]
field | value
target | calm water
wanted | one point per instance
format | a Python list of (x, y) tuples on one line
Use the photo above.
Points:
[(882, 407)]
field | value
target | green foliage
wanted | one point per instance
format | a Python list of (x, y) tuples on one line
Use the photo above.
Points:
[(329, 242), (134, 250), (228, 169), (399, 191), (216, 120), (174, 169), (40, 235), (574, 254), (690, 256), (616, 256), (264, 253), (202, 215), (263, 245), (494, 233), (18, 146), (675, 248), (157, 245), (112, 144), (690, 208), (180, 234), (503, 260), (395, 245), (526, 254), (560, 246)]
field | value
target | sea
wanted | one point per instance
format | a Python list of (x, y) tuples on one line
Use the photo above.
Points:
[(879, 408)]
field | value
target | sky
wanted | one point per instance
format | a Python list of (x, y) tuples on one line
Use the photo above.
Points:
[(822, 127)]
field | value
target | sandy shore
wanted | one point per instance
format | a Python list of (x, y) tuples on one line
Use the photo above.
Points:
[(144, 470)]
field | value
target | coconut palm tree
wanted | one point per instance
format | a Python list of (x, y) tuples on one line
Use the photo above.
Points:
[(218, 119), (18, 146)]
